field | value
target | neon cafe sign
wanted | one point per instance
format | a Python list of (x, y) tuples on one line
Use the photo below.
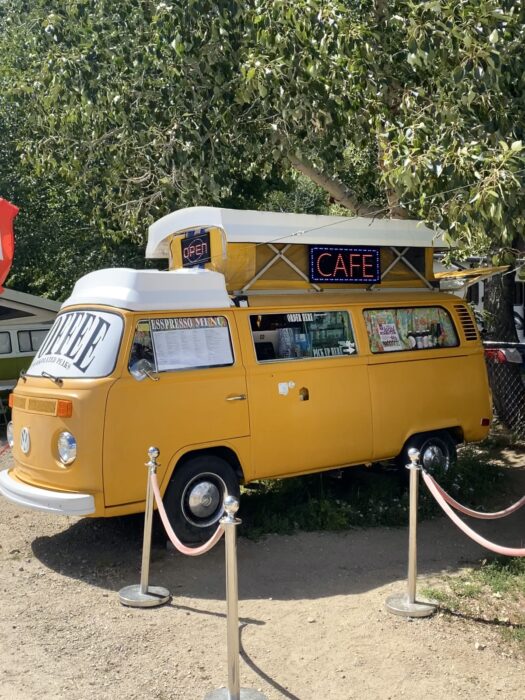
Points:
[(344, 264)]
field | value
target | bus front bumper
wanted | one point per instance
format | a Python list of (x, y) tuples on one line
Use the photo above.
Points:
[(58, 502)]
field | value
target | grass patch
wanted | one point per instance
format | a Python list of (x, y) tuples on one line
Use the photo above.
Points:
[(360, 497), (491, 593)]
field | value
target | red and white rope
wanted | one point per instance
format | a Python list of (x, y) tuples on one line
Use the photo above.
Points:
[(498, 549), (190, 551), (475, 513)]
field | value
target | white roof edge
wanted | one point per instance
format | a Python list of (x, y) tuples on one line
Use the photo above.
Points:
[(245, 226), (29, 299), (151, 290)]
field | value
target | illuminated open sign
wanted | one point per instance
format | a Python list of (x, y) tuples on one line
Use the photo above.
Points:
[(345, 264), (196, 248)]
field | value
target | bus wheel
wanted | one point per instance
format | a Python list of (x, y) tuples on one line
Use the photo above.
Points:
[(437, 451), (195, 495)]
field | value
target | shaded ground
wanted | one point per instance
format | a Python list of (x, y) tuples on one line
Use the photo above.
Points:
[(312, 614)]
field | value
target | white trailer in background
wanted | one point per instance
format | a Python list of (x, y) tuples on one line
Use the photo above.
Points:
[(24, 322)]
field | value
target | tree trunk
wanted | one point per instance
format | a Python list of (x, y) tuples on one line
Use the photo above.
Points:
[(508, 389), (499, 307)]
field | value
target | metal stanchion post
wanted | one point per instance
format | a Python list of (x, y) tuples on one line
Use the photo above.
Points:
[(143, 595), (406, 604), (233, 691)]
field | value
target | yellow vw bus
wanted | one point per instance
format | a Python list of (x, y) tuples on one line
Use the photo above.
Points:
[(238, 381)]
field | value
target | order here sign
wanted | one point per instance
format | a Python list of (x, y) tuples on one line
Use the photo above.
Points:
[(345, 264)]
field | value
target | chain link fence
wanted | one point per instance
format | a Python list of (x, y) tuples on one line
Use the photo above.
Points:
[(506, 372)]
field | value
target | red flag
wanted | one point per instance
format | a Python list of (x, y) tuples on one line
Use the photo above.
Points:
[(8, 212)]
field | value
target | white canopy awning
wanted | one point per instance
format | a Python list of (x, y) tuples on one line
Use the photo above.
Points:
[(241, 226)]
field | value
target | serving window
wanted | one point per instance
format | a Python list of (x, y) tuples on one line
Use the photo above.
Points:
[(301, 335), (182, 343), (413, 328)]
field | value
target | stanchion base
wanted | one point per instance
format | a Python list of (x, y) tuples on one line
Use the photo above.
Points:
[(224, 694), (400, 605), (134, 598)]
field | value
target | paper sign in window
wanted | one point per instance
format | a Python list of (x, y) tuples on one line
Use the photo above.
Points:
[(389, 337), (183, 343)]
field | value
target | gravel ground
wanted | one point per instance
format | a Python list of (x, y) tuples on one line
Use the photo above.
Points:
[(313, 622)]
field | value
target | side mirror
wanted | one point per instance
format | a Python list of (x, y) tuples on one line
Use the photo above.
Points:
[(141, 369)]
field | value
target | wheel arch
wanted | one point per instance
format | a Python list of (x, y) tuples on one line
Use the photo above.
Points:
[(222, 451), (446, 435), (454, 432)]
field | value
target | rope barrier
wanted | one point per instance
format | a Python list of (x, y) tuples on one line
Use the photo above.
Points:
[(475, 513), (498, 549), (189, 551)]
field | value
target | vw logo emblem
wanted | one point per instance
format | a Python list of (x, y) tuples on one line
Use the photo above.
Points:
[(25, 440)]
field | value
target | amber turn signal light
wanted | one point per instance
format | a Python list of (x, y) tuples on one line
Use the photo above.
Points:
[(64, 408)]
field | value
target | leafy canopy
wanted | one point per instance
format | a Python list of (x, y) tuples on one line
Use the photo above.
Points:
[(128, 110)]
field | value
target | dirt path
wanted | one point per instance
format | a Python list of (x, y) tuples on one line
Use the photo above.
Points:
[(312, 614)]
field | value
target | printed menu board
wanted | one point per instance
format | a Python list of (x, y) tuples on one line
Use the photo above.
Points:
[(184, 343)]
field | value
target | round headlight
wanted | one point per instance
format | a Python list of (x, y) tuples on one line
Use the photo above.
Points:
[(10, 434), (67, 448)]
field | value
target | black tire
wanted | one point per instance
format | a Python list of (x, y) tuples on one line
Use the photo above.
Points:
[(437, 452), (195, 495)]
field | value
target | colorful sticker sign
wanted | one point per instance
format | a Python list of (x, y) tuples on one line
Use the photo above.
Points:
[(344, 264), (389, 337)]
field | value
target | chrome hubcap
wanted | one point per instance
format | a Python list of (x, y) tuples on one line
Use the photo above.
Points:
[(202, 500), (434, 457)]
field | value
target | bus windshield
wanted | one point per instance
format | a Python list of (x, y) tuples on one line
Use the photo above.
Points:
[(80, 344)]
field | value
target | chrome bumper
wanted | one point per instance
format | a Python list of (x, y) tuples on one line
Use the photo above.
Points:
[(58, 502)]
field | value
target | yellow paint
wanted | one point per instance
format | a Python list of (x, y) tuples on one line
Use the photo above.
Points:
[(360, 408)]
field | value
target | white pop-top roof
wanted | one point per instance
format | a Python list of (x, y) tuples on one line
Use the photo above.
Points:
[(266, 227), (151, 290)]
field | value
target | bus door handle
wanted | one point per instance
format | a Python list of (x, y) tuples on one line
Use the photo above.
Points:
[(238, 397)]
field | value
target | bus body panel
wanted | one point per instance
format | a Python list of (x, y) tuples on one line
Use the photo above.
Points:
[(184, 410), (276, 418)]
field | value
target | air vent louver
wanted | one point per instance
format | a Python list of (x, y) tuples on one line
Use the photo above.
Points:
[(467, 322)]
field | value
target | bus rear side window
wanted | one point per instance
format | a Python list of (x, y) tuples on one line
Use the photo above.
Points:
[(413, 328)]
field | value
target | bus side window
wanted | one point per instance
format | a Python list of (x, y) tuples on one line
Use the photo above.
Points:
[(409, 328), (301, 335), (30, 341), (5, 343), (142, 348)]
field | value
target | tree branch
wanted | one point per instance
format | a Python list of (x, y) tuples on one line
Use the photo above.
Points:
[(335, 188)]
